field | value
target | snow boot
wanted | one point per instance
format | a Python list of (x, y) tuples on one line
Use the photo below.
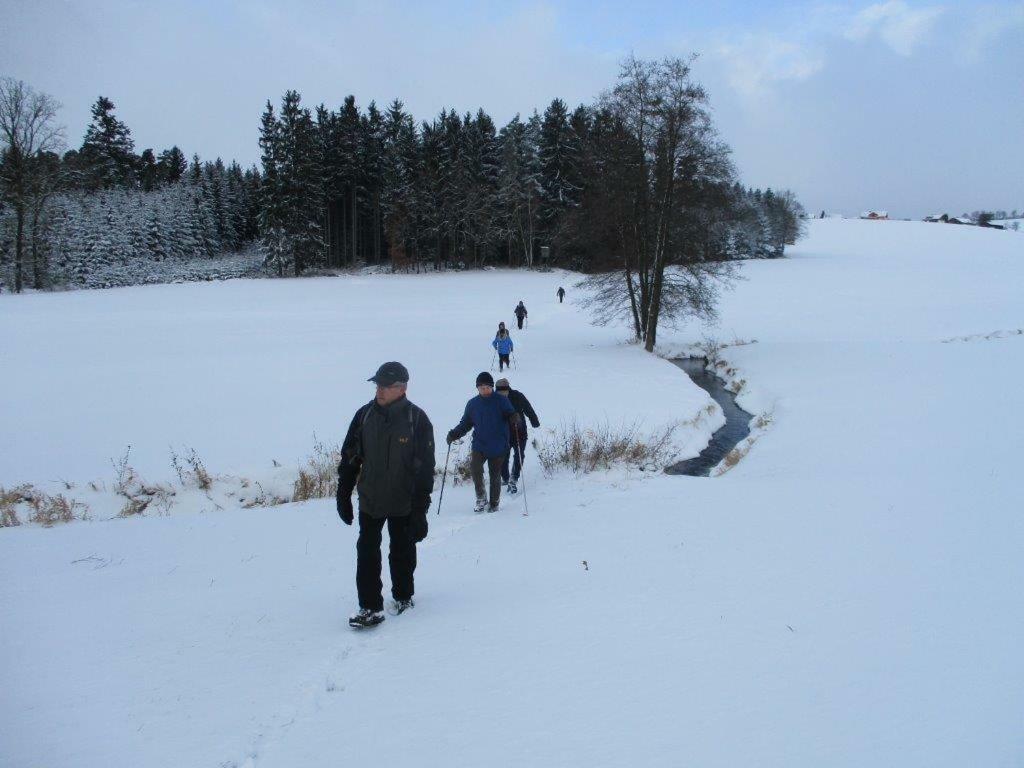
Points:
[(493, 507), (512, 487), (365, 619), (481, 505), (398, 607)]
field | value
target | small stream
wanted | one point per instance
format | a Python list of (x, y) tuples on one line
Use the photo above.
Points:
[(737, 421)]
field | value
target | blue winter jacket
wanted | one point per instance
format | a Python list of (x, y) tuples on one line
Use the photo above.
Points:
[(503, 345), (488, 418)]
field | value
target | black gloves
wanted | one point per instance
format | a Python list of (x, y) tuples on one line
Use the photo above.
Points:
[(345, 511), (450, 437), (535, 422), (418, 526)]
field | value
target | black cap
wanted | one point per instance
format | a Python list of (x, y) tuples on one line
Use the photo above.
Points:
[(485, 378), (390, 373)]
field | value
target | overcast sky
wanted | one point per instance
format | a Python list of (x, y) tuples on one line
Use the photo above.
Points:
[(913, 107)]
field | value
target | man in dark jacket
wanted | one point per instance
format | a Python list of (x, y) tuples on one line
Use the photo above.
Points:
[(561, 294), (388, 454), (488, 416), (520, 313), (517, 440)]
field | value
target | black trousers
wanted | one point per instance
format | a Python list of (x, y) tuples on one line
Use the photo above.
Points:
[(401, 558), (517, 455), (476, 469), (503, 361), (520, 322)]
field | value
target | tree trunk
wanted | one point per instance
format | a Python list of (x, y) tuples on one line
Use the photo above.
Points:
[(38, 268), (355, 226), (19, 247)]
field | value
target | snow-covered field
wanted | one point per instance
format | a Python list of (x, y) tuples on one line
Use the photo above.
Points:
[(846, 595)]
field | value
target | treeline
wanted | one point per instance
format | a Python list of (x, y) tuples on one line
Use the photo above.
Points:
[(103, 215), (349, 186), (583, 188)]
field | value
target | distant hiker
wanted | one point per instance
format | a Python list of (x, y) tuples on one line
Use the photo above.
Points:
[(389, 450), (488, 416), (520, 313), (517, 440), (561, 294), (504, 346), (501, 327)]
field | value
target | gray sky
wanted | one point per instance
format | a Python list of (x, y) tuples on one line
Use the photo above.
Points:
[(913, 107)]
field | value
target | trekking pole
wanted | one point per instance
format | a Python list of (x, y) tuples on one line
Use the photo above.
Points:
[(522, 473), (493, 358), (444, 477)]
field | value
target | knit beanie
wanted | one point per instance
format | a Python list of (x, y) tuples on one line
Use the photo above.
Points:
[(485, 378)]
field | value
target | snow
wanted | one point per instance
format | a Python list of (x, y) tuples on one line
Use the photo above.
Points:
[(846, 595)]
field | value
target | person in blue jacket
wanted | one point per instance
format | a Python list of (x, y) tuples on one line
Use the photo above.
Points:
[(489, 416), (503, 343)]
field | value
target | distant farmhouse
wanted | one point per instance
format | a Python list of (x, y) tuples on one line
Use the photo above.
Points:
[(945, 218), (875, 215)]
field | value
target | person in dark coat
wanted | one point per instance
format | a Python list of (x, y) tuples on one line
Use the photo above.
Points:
[(388, 454), (504, 346), (517, 439), (520, 313), (488, 415), (561, 294)]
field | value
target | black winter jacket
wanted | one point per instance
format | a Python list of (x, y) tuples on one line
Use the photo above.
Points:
[(524, 409), (389, 454)]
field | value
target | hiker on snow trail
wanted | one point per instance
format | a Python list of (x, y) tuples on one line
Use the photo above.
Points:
[(520, 313), (561, 294), (389, 450), (503, 344), (501, 327), (488, 416), (517, 440)]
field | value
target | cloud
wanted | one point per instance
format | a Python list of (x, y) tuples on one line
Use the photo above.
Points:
[(755, 62), (897, 24)]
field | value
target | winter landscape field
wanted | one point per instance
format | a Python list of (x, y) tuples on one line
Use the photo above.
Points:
[(846, 594)]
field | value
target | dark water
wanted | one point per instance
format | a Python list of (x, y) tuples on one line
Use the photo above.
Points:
[(737, 421)]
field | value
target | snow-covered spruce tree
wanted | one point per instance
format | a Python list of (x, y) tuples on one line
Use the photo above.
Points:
[(107, 157), (560, 185), (519, 187), (274, 242), (398, 185), (171, 165)]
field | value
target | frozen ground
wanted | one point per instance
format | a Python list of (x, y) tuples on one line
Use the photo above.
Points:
[(845, 596)]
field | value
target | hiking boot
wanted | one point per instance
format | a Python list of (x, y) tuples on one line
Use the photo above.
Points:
[(493, 507), (481, 505), (366, 618), (397, 607), (512, 487)]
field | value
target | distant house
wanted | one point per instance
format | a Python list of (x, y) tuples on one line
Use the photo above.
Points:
[(935, 217), (959, 220), (875, 215)]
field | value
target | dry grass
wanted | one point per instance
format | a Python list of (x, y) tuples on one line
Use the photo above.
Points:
[(138, 495), (319, 478), (9, 501), (586, 450), (263, 499), (44, 509), (49, 510), (191, 470), (733, 457)]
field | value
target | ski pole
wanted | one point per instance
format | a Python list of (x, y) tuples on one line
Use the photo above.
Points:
[(444, 477), (522, 474)]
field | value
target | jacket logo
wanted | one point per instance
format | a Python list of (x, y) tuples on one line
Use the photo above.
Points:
[(403, 440)]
